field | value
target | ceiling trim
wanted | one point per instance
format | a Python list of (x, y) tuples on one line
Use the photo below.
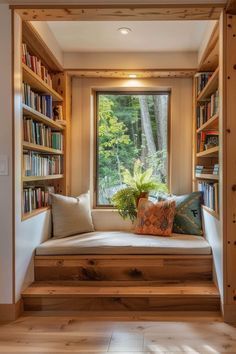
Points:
[(119, 12), (124, 73)]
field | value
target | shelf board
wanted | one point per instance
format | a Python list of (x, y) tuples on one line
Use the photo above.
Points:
[(40, 178), (213, 152), (35, 212), (38, 84), (207, 176), (211, 211), (40, 148), (212, 123), (39, 117), (210, 87)]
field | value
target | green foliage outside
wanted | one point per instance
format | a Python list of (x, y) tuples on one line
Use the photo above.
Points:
[(122, 140)]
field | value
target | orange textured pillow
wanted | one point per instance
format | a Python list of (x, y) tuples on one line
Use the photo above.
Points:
[(155, 218)]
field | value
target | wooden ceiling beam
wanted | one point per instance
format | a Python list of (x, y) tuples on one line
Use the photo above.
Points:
[(119, 12), (124, 73)]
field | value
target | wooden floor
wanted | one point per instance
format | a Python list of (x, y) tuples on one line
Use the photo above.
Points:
[(190, 334)]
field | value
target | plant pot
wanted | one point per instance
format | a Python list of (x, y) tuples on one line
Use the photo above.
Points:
[(142, 195)]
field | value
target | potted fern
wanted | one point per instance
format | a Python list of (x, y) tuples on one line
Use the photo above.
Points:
[(138, 186)]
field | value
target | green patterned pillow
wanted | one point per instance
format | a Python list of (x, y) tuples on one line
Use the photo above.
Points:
[(188, 219)]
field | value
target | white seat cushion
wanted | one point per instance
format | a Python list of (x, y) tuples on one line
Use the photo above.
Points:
[(120, 242)]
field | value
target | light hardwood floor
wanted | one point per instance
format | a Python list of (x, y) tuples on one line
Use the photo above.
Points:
[(69, 334)]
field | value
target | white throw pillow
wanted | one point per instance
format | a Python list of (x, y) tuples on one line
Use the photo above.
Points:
[(70, 215)]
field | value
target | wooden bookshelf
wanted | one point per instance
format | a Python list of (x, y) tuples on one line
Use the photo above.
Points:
[(211, 86), (211, 211), (212, 123), (41, 148), (35, 212), (207, 182), (207, 176), (60, 94), (213, 152), (41, 178), (39, 117), (38, 84)]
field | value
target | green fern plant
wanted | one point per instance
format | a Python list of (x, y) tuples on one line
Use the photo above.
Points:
[(125, 200)]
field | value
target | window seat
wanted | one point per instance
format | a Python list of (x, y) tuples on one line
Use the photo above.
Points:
[(124, 243)]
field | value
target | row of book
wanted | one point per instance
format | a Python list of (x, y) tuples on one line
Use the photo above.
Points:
[(207, 139), (40, 134), (212, 170), (40, 102), (201, 80), (35, 164), (35, 64), (210, 194), (208, 109), (36, 197)]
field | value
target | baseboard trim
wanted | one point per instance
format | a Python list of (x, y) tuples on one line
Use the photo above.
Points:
[(10, 312)]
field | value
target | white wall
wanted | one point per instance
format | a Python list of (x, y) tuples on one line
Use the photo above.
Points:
[(165, 60), (83, 131), (6, 232), (31, 232)]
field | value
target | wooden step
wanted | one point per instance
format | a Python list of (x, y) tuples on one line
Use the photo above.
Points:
[(168, 296), (125, 267)]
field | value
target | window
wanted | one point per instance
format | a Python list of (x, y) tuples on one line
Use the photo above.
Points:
[(130, 126)]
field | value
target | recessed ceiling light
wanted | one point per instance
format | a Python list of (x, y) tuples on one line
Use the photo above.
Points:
[(132, 76), (124, 30)]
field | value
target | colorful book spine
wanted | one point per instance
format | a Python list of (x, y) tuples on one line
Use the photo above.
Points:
[(35, 164), (210, 194), (35, 64), (35, 197), (207, 109), (40, 102)]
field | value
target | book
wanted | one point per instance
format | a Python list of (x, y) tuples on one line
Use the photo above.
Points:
[(35, 64), (35, 164)]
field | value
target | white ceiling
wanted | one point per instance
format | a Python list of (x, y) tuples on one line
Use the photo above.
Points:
[(146, 36)]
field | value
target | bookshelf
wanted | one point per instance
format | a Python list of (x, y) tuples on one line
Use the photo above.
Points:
[(44, 129), (206, 127)]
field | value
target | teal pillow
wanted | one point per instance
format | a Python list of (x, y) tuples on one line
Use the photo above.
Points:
[(188, 218)]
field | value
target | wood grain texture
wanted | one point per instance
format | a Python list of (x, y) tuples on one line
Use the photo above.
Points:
[(119, 12), (140, 73), (100, 268), (72, 296), (180, 334)]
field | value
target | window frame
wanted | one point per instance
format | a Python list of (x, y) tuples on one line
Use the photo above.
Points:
[(96, 94)]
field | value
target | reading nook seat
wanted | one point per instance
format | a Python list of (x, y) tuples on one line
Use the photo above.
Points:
[(124, 243)]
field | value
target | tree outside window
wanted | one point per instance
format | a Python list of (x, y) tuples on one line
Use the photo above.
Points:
[(130, 126)]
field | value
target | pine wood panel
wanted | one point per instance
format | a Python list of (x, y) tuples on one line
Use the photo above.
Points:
[(119, 12), (212, 123), (123, 267), (140, 73), (167, 303), (207, 176), (35, 212), (74, 289), (36, 147), (209, 152), (40, 178)]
